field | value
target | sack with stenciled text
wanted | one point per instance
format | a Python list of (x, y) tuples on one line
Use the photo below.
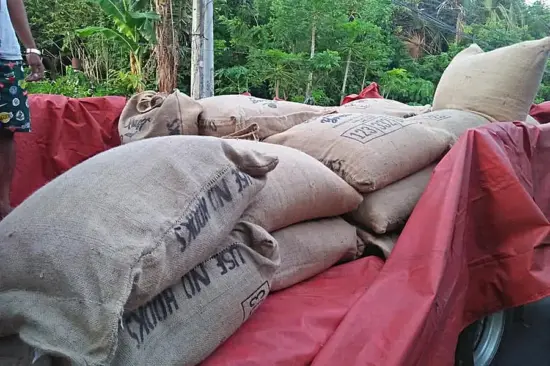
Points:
[(187, 321), (226, 115), (113, 232), (368, 151), (300, 189), (149, 114)]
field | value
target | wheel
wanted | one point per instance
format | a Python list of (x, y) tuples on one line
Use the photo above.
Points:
[(479, 343)]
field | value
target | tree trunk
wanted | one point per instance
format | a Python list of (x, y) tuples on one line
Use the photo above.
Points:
[(346, 73), (459, 22), (167, 48), (364, 77), (311, 55), (76, 64), (277, 89)]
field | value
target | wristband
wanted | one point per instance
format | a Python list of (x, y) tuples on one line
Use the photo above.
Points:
[(33, 50)]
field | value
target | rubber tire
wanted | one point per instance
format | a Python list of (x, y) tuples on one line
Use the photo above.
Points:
[(464, 355)]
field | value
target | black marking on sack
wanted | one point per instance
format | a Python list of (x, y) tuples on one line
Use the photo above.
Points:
[(136, 124), (436, 117), (265, 102), (229, 259), (337, 166), (333, 119), (145, 319), (210, 201), (251, 303), (148, 316), (174, 127), (373, 128), (195, 280)]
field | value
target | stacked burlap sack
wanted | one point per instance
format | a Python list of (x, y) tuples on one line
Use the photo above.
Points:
[(156, 251), (151, 114), (390, 160)]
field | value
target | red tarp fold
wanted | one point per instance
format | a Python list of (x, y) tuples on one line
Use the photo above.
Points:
[(541, 112), (65, 132), (472, 246), (370, 91)]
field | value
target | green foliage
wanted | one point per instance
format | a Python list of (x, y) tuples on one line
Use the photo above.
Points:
[(264, 46), (76, 84), (133, 29)]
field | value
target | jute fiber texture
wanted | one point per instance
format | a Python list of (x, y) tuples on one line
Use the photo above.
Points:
[(367, 151), (150, 114), (113, 232), (500, 85), (230, 114), (311, 247), (300, 189), (389, 208), (187, 321)]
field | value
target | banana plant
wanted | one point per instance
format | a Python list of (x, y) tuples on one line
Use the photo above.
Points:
[(134, 28)]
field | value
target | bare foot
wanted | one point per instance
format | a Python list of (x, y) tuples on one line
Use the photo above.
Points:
[(4, 211)]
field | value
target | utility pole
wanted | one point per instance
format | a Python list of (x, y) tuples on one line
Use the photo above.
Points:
[(208, 50), (196, 50), (202, 49)]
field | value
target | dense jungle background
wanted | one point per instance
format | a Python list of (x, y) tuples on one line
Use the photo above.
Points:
[(290, 49)]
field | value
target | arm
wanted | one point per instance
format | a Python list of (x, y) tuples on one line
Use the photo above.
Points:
[(18, 16)]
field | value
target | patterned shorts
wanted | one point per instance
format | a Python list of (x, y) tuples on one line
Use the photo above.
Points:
[(14, 104)]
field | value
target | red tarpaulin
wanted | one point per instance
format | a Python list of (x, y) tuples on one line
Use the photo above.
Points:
[(472, 247), (370, 91), (541, 112), (64, 133), (291, 326)]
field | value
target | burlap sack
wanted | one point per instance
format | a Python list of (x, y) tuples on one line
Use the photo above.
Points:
[(500, 84), (368, 151), (312, 247), (228, 114), (14, 352), (151, 114), (113, 232), (186, 322), (386, 107), (389, 208), (385, 242), (300, 189), (451, 120)]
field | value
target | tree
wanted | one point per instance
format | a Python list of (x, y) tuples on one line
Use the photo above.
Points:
[(353, 43), (167, 54), (278, 68), (295, 18), (133, 28)]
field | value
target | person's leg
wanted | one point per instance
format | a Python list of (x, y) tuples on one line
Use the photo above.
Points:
[(14, 118), (7, 166)]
